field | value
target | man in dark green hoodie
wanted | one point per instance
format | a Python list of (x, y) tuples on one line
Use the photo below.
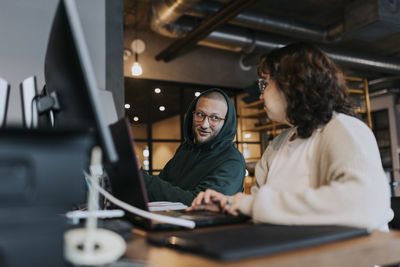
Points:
[(207, 158)]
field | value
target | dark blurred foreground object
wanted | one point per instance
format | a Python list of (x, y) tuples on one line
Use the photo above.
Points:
[(395, 204), (253, 240), (41, 178)]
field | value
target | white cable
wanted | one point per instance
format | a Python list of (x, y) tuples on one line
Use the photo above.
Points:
[(166, 219), (83, 214), (93, 199), (90, 245)]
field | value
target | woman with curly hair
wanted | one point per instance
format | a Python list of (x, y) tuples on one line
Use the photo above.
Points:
[(325, 168)]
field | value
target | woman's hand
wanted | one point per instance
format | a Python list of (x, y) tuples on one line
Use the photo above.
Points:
[(233, 204), (215, 201)]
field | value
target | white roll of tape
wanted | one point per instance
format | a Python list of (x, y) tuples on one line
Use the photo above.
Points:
[(109, 247)]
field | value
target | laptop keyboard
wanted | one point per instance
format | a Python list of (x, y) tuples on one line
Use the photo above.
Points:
[(195, 213)]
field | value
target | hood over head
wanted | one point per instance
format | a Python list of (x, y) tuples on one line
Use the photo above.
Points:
[(228, 130)]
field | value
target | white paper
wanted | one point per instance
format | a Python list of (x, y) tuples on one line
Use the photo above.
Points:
[(166, 205)]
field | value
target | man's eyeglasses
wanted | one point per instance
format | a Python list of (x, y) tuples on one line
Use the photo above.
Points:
[(262, 84), (213, 120)]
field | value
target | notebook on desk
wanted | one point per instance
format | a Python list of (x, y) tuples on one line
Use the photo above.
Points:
[(255, 240), (128, 185)]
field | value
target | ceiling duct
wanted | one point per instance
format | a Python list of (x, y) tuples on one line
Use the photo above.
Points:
[(384, 83), (265, 22), (241, 39), (379, 18), (165, 12)]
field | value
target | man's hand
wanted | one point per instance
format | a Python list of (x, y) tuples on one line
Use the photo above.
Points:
[(215, 201)]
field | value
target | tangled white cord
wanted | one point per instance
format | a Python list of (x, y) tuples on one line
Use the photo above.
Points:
[(90, 245), (93, 246), (166, 219)]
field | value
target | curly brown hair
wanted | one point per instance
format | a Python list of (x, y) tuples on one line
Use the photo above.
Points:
[(312, 84)]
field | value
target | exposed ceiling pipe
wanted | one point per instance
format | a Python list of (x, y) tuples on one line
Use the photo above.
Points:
[(240, 39), (204, 28), (364, 61), (384, 83), (264, 22), (171, 10), (230, 38), (165, 12)]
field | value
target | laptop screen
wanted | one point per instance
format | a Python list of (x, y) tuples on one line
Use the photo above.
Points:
[(125, 176)]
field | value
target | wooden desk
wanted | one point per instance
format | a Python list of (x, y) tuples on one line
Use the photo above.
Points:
[(378, 248)]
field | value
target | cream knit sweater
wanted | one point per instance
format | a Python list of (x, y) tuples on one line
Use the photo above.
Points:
[(347, 182)]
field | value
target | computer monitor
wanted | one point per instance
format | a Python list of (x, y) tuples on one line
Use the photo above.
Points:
[(4, 94), (28, 92), (70, 80)]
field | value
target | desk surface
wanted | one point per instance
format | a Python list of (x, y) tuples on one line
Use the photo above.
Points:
[(378, 248)]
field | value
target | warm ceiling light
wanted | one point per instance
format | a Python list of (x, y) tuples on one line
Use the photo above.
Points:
[(138, 47), (197, 94), (157, 90), (247, 135), (136, 118), (127, 106), (136, 69), (161, 108), (127, 53)]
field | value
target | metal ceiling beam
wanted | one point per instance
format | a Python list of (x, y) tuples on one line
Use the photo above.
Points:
[(204, 28), (261, 21)]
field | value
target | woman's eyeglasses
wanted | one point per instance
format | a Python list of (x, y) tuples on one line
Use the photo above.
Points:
[(262, 84)]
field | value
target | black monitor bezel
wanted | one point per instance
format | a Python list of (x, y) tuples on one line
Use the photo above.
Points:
[(68, 65)]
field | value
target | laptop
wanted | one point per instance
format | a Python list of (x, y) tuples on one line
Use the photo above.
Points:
[(128, 185), (246, 241)]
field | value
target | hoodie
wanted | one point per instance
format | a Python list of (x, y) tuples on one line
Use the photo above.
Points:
[(216, 164)]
